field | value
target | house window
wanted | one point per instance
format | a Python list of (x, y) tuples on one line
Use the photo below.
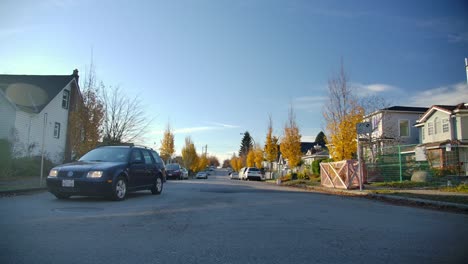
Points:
[(404, 128), (436, 125), (430, 128), (65, 99), (57, 130), (445, 125), (422, 133)]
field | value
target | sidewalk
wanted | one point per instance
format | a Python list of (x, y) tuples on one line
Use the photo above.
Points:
[(408, 197)]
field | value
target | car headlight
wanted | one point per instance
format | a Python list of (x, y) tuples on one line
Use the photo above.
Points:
[(94, 174), (53, 173)]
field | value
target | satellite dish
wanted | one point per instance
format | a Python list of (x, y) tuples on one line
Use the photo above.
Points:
[(27, 95)]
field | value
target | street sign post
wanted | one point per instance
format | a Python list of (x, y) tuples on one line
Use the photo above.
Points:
[(361, 128), (364, 128)]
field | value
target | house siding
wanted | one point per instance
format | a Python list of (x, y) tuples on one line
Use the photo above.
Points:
[(7, 117), (390, 126), (30, 131), (438, 134), (462, 128)]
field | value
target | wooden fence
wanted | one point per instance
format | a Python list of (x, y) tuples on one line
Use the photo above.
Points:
[(342, 174)]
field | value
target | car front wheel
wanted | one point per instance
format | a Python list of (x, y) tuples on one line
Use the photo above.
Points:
[(157, 186), (119, 190)]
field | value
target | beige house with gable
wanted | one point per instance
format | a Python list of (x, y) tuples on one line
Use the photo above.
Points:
[(444, 136)]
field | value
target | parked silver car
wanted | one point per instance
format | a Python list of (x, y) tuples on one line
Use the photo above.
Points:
[(234, 175), (184, 173)]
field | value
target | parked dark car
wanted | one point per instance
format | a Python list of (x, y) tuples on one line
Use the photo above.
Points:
[(174, 171), (110, 171)]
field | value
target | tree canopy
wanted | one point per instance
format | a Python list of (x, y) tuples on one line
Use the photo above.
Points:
[(167, 144), (291, 142), (246, 145)]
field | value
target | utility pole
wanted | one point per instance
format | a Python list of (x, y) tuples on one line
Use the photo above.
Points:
[(206, 149), (466, 68)]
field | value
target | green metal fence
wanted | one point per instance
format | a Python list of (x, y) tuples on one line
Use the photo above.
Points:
[(393, 163), (398, 163)]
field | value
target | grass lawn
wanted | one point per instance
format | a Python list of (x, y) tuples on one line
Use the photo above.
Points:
[(11, 184)]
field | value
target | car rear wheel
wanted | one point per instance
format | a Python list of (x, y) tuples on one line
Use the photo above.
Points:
[(62, 196), (119, 190), (157, 186)]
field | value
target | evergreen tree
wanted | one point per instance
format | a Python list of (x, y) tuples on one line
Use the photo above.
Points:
[(320, 139), (246, 145)]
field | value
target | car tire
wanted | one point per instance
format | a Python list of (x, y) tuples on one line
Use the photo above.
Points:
[(62, 196), (157, 186), (119, 189)]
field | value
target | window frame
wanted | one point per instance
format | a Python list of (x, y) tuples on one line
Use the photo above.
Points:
[(57, 130), (445, 125), (66, 99), (430, 128), (407, 127)]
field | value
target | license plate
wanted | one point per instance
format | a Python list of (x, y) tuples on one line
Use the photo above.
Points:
[(68, 183)]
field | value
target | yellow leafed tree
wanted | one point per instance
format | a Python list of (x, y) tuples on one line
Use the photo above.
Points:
[(258, 153), (271, 145), (342, 113), (202, 162), (167, 144), (236, 163), (344, 136), (251, 158), (291, 143), (189, 154)]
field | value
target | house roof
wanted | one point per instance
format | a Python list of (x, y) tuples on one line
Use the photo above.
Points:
[(306, 146), (407, 109), (448, 109), (398, 108), (31, 93)]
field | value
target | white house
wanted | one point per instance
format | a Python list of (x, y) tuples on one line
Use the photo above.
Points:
[(444, 135), (34, 113), (391, 126)]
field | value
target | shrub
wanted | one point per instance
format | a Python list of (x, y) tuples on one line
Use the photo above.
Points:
[(286, 177), (30, 166), (452, 170), (316, 166)]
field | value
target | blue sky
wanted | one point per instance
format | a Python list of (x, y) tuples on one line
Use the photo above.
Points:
[(214, 69)]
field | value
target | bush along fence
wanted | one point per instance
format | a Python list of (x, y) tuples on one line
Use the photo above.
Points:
[(412, 162)]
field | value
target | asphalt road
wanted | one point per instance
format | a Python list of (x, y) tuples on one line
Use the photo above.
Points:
[(223, 221)]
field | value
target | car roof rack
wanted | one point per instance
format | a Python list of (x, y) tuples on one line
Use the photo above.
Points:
[(131, 145)]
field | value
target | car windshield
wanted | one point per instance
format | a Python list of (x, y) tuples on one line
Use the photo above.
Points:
[(172, 166), (109, 154)]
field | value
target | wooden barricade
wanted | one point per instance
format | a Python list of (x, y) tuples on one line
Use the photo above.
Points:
[(342, 174)]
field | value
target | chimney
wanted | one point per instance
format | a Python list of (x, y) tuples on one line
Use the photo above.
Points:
[(75, 74)]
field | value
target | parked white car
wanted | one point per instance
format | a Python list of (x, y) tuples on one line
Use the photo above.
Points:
[(252, 173), (241, 173)]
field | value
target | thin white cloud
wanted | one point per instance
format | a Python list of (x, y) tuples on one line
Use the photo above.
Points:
[(309, 103), (445, 95), (189, 130), (374, 89), (458, 38), (224, 125)]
